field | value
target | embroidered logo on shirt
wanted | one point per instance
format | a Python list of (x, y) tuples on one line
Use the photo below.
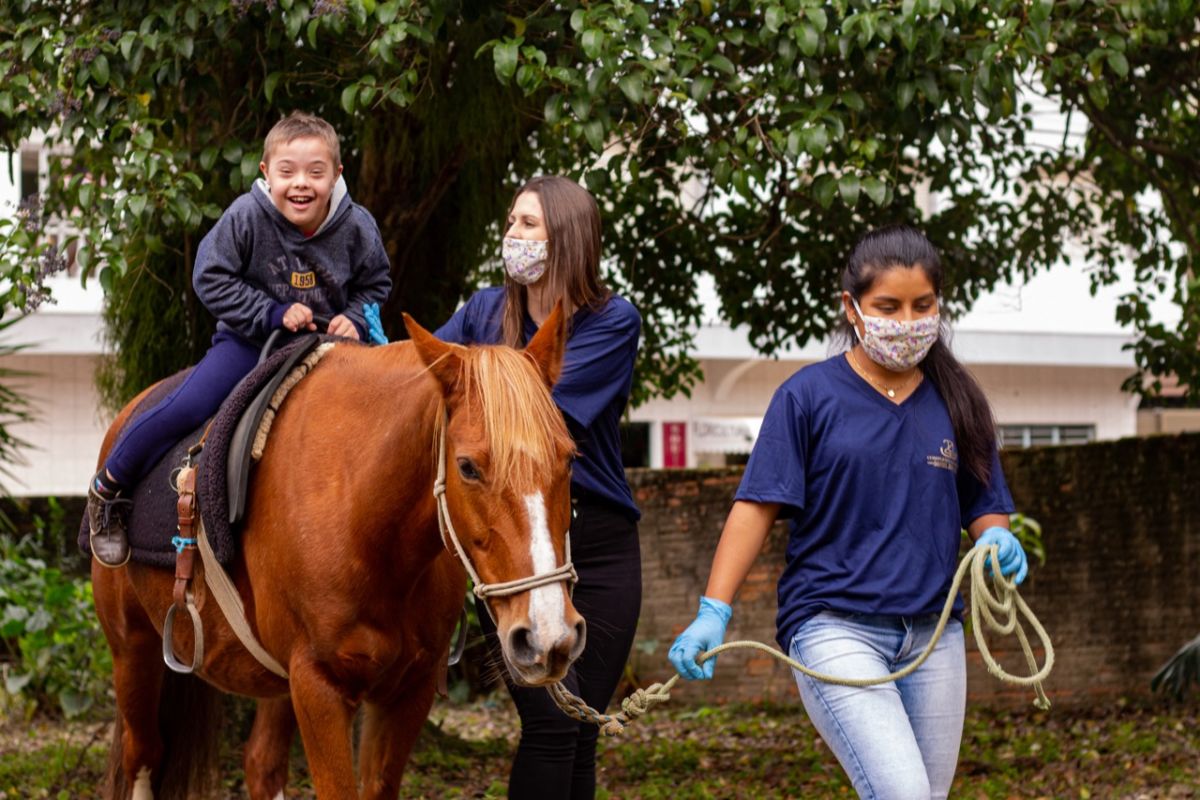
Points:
[(947, 458), (304, 280)]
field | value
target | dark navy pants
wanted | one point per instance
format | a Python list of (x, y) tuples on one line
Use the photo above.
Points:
[(150, 436), (556, 757)]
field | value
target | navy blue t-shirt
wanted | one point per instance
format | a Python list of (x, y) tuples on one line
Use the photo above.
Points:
[(875, 493), (594, 386)]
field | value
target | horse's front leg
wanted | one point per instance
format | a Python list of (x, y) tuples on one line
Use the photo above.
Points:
[(325, 715), (389, 732), (267, 751)]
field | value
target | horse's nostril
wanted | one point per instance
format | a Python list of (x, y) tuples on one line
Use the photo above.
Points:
[(580, 639), (520, 646)]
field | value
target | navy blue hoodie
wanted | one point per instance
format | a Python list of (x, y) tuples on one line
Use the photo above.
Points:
[(254, 264)]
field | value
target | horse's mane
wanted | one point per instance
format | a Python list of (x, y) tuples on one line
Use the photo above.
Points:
[(524, 426)]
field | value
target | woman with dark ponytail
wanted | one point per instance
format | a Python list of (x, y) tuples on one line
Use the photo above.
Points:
[(879, 456)]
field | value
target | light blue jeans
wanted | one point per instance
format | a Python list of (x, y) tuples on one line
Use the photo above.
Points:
[(896, 741)]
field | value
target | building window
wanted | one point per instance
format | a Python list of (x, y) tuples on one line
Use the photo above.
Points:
[(635, 444), (1037, 435), (29, 175)]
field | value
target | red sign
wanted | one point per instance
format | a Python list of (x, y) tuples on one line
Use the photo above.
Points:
[(674, 444)]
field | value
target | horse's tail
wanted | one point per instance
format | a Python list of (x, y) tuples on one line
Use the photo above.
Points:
[(189, 720)]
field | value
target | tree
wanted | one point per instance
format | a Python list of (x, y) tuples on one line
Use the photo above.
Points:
[(750, 140)]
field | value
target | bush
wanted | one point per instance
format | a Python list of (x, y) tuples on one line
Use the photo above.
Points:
[(53, 654)]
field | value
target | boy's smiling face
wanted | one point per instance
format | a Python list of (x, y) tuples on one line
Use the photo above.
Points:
[(301, 175)]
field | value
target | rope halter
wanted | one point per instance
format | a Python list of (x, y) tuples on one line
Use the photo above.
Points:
[(566, 572)]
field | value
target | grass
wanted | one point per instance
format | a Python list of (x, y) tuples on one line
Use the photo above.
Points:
[(1130, 751)]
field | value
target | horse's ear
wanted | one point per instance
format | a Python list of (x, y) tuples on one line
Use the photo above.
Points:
[(442, 358), (548, 344)]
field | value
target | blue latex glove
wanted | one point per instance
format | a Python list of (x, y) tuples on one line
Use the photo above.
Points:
[(374, 323), (1012, 555), (706, 632)]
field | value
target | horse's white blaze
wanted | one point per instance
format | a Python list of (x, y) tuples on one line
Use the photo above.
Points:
[(279, 796), (141, 786), (545, 602)]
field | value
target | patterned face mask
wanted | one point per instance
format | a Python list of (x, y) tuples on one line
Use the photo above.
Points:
[(896, 344), (524, 259)]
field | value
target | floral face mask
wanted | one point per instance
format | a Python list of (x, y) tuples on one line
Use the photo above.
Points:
[(898, 345), (524, 259)]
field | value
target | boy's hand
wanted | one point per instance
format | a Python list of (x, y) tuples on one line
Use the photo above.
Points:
[(298, 316), (342, 326)]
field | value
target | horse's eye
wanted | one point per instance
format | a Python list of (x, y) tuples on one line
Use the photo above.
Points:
[(468, 470)]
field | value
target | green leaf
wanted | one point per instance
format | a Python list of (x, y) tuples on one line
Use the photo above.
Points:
[(249, 165), (269, 85), (875, 189), (817, 17), (701, 87), (14, 683), (1098, 92), (720, 62), (904, 95), (85, 196), (349, 95), (945, 133), (83, 257), (191, 17), (594, 131), (126, 43), (137, 204), (824, 189), (6, 104), (593, 43), (106, 279), (578, 20), (793, 142), (631, 87), (773, 19), (386, 12), (849, 186), (810, 40), (185, 46), (853, 101), (73, 703), (505, 58), (1118, 63), (313, 26), (144, 139), (552, 111), (100, 69), (816, 140)]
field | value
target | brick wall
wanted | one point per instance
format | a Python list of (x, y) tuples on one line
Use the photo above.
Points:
[(1120, 591)]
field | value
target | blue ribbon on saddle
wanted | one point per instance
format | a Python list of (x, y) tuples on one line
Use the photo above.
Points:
[(180, 542)]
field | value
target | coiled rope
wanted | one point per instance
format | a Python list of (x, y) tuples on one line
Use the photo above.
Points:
[(998, 606)]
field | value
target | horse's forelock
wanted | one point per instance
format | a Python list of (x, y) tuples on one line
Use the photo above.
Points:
[(523, 426)]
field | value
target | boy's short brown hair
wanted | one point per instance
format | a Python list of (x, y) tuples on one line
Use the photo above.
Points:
[(298, 124)]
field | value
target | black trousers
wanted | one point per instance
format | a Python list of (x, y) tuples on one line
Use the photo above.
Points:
[(556, 757)]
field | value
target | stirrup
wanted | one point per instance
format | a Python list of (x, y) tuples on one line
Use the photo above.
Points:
[(197, 637)]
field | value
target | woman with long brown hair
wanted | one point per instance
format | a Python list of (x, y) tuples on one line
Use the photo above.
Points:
[(551, 254)]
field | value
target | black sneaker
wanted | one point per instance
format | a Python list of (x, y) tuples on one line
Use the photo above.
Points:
[(106, 515)]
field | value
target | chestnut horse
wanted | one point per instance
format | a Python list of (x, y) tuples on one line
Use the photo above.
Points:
[(347, 581)]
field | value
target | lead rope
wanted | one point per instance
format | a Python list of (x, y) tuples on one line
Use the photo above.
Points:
[(566, 572), (986, 608)]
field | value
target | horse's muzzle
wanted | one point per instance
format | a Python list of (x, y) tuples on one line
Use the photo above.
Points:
[(533, 661)]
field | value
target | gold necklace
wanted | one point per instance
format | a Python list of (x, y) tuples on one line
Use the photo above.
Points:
[(886, 390)]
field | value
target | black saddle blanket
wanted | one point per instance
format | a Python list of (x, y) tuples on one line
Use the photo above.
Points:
[(154, 518)]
